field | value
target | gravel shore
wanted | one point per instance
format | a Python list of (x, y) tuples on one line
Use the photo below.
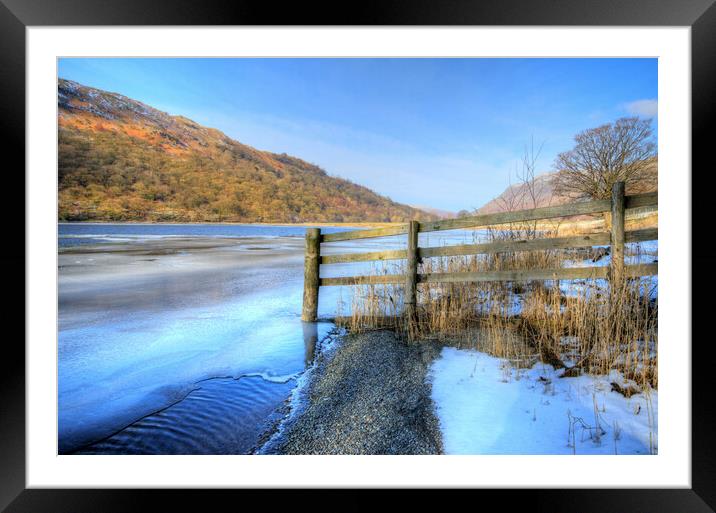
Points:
[(368, 395)]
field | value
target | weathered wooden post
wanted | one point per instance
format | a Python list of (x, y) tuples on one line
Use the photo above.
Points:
[(617, 236), (310, 274), (411, 278), (310, 337)]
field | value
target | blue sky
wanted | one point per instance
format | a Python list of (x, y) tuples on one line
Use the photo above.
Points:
[(445, 133)]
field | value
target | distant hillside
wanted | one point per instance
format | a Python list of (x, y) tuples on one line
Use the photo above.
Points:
[(518, 197), (121, 160), (442, 214)]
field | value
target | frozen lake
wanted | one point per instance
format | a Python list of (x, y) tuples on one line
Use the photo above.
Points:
[(147, 315), (156, 322)]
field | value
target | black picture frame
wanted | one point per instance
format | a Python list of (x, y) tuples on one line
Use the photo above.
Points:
[(16, 15)]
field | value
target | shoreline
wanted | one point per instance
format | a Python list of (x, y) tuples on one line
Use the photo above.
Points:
[(363, 224), (365, 394)]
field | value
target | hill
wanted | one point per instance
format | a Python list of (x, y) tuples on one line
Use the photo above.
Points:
[(543, 194), (441, 214), (122, 160)]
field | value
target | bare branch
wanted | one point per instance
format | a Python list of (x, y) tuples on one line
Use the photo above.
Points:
[(619, 151)]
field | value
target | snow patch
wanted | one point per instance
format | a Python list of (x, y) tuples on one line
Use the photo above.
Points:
[(485, 406)]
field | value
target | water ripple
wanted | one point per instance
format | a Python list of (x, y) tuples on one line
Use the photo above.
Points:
[(222, 416)]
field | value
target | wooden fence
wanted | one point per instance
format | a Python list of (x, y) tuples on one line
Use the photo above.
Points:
[(616, 238)]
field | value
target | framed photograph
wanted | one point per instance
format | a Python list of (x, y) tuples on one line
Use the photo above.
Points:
[(417, 248)]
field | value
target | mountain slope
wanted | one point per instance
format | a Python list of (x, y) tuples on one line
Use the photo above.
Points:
[(441, 214), (518, 196), (121, 160)]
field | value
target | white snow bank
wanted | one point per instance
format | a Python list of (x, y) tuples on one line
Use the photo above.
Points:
[(487, 407)]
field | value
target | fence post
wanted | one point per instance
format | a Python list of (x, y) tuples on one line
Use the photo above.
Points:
[(310, 274), (617, 235), (411, 279)]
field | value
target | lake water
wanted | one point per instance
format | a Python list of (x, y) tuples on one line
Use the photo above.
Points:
[(75, 234), (177, 338)]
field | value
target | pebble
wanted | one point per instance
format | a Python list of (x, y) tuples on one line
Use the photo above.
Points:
[(369, 396)]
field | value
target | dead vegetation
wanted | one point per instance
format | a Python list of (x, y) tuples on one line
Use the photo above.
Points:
[(578, 325)]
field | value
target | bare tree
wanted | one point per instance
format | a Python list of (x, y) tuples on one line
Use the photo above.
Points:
[(619, 151), (529, 192)]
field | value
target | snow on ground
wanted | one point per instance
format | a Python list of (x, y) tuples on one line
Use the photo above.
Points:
[(485, 406)]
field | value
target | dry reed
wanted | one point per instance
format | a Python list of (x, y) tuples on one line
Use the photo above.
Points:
[(582, 325)]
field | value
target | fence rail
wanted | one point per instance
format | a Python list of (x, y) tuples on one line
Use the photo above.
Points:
[(578, 241), (534, 214), (615, 238)]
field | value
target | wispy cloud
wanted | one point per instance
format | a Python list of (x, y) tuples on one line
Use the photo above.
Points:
[(647, 108)]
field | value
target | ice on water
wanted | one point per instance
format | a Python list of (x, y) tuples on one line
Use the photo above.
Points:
[(130, 343)]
